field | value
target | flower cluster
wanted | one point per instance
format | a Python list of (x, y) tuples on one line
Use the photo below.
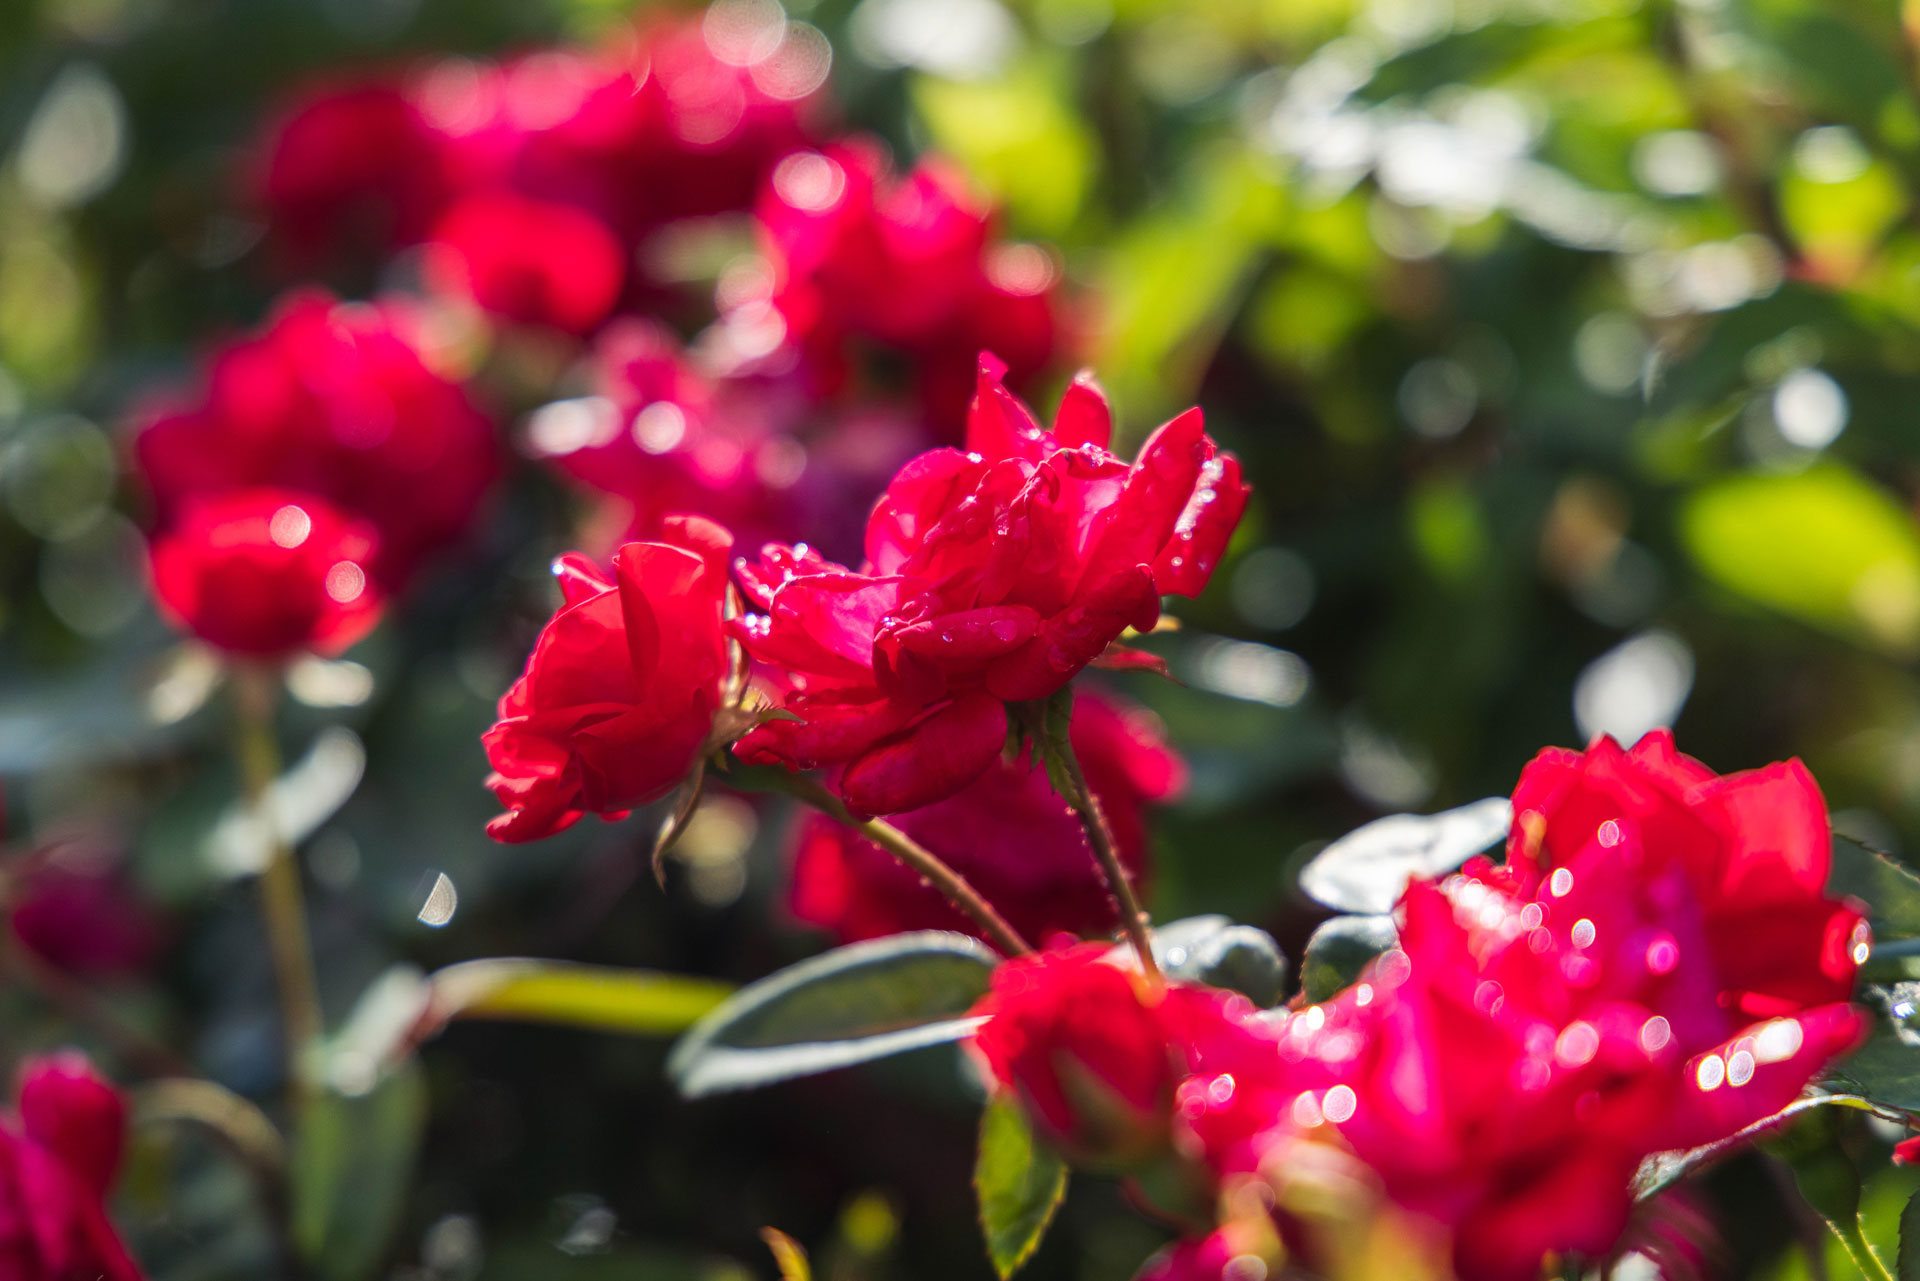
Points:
[(1656, 967)]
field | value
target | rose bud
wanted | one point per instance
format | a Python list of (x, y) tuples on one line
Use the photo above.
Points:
[(1093, 1049), (58, 1159), (72, 904), (530, 261), (992, 576), (336, 400), (1008, 833), (617, 702), (1755, 846), (267, 573)]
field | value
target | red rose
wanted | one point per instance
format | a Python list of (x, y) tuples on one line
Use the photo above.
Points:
[(531, 261), (619, 694), (992, 576), (332, 399), (1008, 833), (1508, 1067), (268, 573), (1094, 1049), (1756, 847), (58, 1159), (354, 168), (842, 233)]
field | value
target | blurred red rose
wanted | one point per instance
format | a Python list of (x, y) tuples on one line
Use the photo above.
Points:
[(1756, 847), (531, 261), (352, 169), (1008, 833), (619, 695), (332, 399), (992, 576), (1506, 1069), (72, 905), (58, 1159), (1093, 1049), (268, 573), (844, 238)]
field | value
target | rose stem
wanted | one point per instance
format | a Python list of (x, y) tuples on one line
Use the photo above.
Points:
[(282, 904), (1133, 917), (910, 852)]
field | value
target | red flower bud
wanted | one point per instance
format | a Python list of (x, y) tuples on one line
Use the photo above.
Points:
[(618, 698), (531, 261), (57, 1162), (267, 573)]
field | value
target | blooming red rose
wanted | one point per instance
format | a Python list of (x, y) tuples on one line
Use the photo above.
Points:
[(1508, 1067), (58, 1159), (1756, 847), (268, 573), (531, 261), (1094, 1049), (336, 400), (992, 576), (1008, 833), (842, 234), (619, 695)]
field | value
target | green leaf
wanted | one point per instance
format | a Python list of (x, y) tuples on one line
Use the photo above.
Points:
[(1886, 1070), (1019, 1183), (1822, 545), (851, 1005), (1890, 891), (1664, 1169), (1368, 869), (353, 1163), (641, 1002), (1215, 951), (1340, 949)]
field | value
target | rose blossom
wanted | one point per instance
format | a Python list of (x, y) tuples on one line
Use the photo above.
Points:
[(843, 236), (619, 695), (58, 1159), (531, 261), (267, 573), (992, 576), (1093, 1049), (1756, 847), (336, 400), (1506, 1069), (1008, 833)]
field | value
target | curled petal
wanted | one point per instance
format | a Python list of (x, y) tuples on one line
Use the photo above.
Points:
[(931, 761), (970, 637), (998, 425), (1084, 417), (1076, 636), (1201, 533)]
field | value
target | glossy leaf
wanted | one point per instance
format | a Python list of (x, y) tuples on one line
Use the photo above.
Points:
[(1019, 1183), (1340, 949), (1368, 869), (1886, 1070), (1907, 1261), (852, 1005), (1889, 889), (1215, 951)]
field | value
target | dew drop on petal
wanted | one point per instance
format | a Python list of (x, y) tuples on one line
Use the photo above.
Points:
[(1583, 933), (1561, 883), (1609, 834), (1778, 1041), (1306, 1110), (1577, 1044), (1740, 1068), (1655, 1033), (1663, 953), (1711, 1072), (1340, 1103)]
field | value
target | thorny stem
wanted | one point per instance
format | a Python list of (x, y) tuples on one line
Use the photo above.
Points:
[(1860, 1250), (282, 904), (957, 889), (1133, 917)]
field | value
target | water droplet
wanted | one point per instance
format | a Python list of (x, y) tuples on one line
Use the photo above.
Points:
[(1340, 1104), (1654, 1034), (1583, 933), (1740, 1068), (1663, 953), (1560, 883), (1711, 1072)]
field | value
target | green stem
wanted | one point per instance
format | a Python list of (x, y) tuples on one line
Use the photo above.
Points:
[(282, 901), (954, 886), (1133, 917), (1861, 1251)]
